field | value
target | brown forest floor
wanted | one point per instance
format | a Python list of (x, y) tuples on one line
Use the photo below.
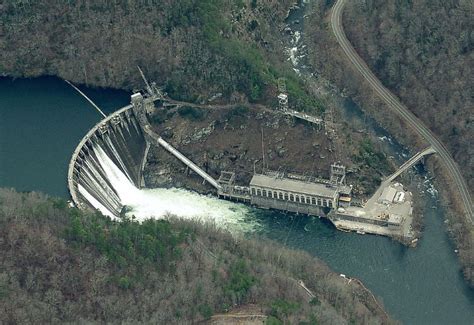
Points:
[(228, 140)]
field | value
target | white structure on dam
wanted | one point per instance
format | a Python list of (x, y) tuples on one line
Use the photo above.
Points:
[(125, 137)]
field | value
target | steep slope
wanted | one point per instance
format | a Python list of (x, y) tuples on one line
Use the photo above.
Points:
[(328, 58), (194, 48), (423, 52), (60, 265)]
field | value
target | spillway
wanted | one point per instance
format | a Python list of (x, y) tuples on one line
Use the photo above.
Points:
[(115, 141), (105, 171), (105, 174)]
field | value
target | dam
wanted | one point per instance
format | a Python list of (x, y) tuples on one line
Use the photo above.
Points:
[(117, 147), (120, 137)]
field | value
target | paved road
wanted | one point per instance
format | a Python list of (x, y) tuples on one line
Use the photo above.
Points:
[(400, 109)]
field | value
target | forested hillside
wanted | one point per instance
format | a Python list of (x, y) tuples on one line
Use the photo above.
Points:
[(423, 51), (195, 48), (58, 265)]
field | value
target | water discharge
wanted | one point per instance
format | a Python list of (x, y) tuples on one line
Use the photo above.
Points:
[(160, 203), (417, 286)]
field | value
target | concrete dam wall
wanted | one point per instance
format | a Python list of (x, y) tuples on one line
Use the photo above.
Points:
[(105, 171), (117, 138)]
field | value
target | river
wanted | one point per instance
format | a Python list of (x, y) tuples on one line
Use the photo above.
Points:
[(42, 120)]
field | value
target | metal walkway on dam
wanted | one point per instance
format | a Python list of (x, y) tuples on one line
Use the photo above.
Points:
[(160, 141), (139, 104)]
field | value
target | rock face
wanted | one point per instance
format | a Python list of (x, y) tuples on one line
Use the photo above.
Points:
[(199, 134), (226, 141)]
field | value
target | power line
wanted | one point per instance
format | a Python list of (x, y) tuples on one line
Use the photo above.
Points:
[(88, 99)]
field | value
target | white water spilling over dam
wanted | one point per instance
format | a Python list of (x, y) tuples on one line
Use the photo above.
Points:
[(119, 138), (105, 173), (160, 203)]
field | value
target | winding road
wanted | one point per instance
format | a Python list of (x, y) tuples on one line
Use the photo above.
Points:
[(393, 102)]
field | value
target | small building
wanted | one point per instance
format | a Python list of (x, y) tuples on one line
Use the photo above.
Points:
[(345, 201), (388, 195), (282, 193), (388, 220), (400, 197)]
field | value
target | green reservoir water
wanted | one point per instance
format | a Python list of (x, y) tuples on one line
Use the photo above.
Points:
[(42, 120)]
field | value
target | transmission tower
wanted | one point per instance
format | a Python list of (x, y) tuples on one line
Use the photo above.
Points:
[(282, 95)]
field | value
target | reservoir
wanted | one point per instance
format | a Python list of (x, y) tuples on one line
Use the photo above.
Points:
[(42, 120)]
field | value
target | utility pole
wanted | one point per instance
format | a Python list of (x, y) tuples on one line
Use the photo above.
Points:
[(263, 154)]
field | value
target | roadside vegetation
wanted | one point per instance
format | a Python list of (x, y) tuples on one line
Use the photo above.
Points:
[(62, 265), (419, 51), (423, 52)]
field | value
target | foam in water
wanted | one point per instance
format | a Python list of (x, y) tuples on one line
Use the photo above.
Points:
[(161, 203)]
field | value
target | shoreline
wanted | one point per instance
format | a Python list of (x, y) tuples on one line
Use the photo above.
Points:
[(161, 171)]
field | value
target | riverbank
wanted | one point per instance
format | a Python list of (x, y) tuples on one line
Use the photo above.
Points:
[(416, 285), (194, 49), (61, 265), (327, 57)]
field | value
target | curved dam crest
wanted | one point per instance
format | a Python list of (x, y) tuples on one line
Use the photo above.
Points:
[(106, 173), (119, 138)]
